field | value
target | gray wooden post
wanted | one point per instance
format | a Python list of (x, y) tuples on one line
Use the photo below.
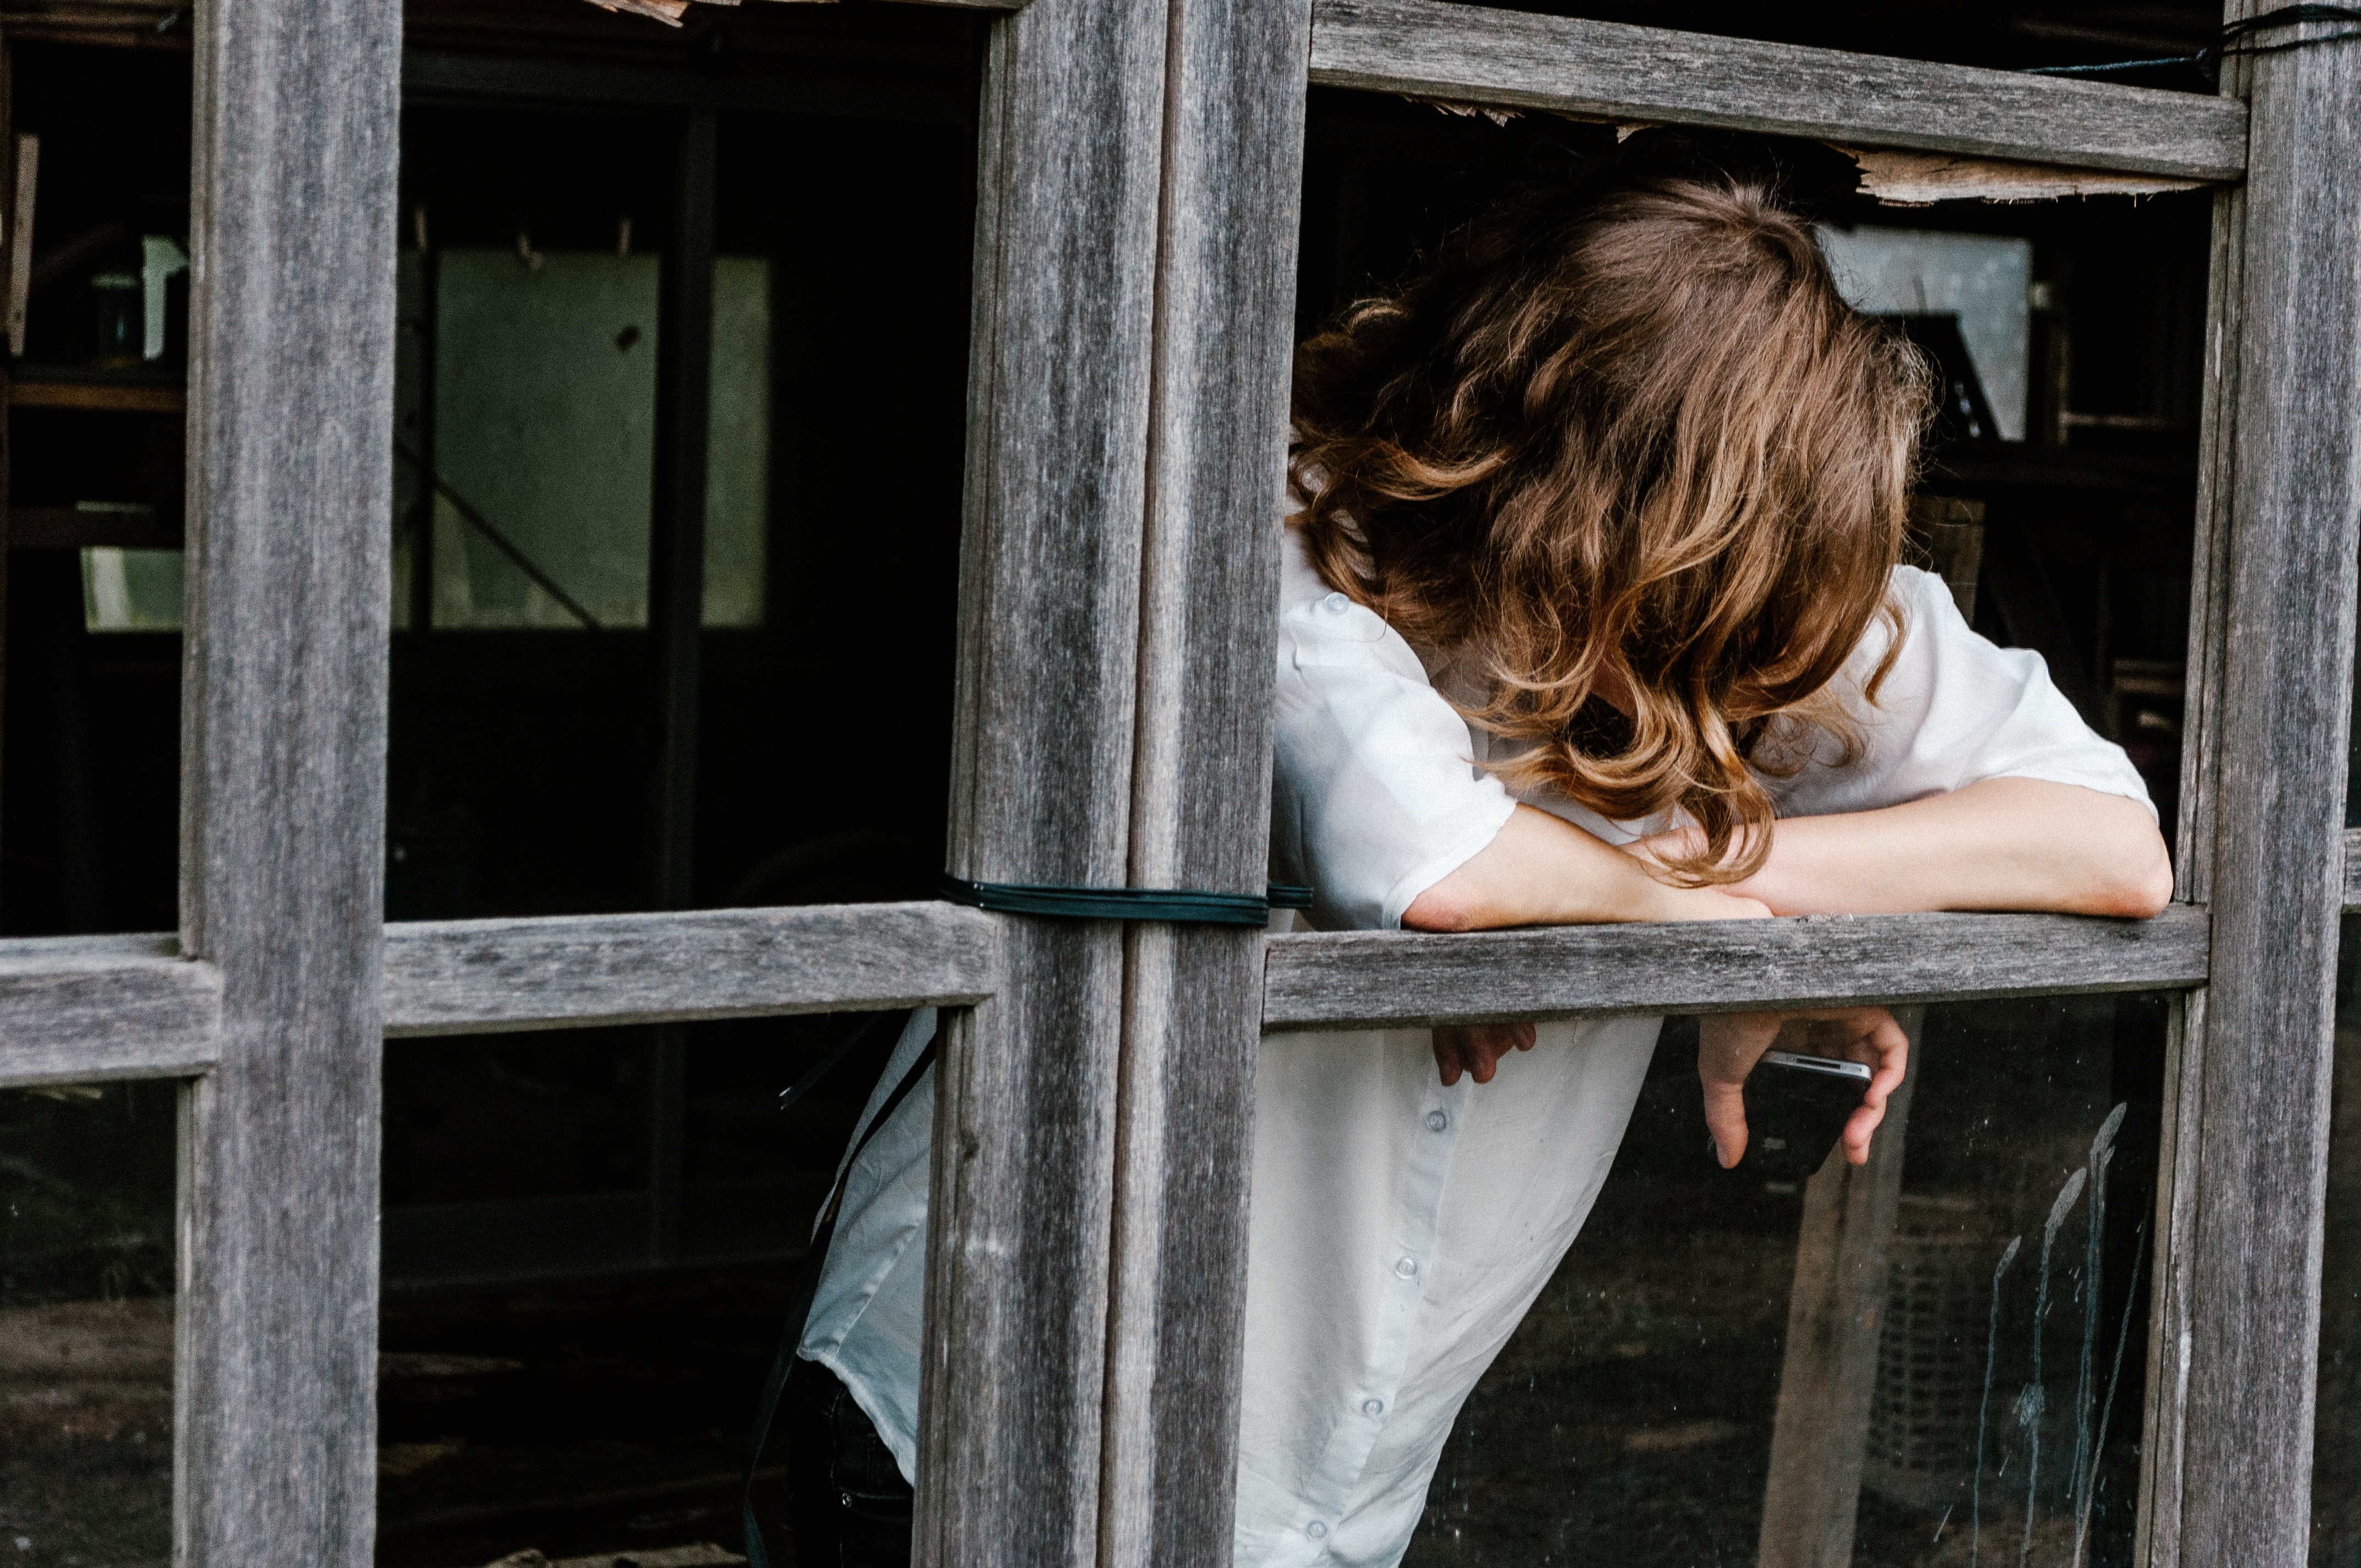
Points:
[(1200, 781), (2273, 626), (1071, 145), (283, 744)]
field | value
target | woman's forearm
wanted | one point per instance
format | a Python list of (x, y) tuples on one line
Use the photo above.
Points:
[(1541, 870), (2026, 844)]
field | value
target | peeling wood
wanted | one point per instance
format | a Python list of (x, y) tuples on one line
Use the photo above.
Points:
[(1922, 178)]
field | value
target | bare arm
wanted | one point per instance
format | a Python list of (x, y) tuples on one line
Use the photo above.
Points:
[(1541, 870), (2005, 843)]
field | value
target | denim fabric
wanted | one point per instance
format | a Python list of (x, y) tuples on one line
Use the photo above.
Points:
[(848, 1504)]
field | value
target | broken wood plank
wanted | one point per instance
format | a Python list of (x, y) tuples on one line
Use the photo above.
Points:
[(81, 1009), (451, 976), (1384, 980), (1613, 71), (1819, 1440)]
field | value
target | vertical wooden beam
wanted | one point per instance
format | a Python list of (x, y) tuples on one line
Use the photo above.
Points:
[(2289, 448), (289, 435), (1069, 155), (676, 612), (1200, 785), (1819, 1440)]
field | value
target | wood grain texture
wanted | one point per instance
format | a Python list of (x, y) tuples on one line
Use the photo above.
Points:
[(1391, 980), (1070, 142), (79, 1009), (2163, 1419), (2285, 675), (1231, 189), (2352, 870), (1610, 70), (454, 976), (290, 435), (1819, 1440)]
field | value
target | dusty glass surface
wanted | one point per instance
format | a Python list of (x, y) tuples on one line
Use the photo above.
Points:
[(2336, 1431), (1979, 1360), (86, 1286)]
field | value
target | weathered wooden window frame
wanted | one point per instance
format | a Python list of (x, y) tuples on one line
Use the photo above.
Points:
[(1139, 185)]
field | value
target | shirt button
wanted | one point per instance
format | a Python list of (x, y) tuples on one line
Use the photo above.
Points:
[(1316, 1530), (1373, 1407), (1336, 604), (1436, 1120), (1407, 1268)]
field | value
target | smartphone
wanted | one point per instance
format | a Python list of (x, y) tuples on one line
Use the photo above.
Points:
[(1796, 1107)]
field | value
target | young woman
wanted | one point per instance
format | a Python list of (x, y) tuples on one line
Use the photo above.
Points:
[(1590, 612)]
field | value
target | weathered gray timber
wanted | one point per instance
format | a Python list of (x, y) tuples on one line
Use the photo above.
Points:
[(1386, 980), (2164, 1420), (1201, 778), (77, 1008), (1613, 71), (1071, 145), (2352, 870), (473, 977), (2292, 427), (1819, 1439), (289, 437)]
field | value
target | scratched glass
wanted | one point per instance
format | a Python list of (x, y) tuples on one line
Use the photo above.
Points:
[(1685, 1391), (86, 1282), (2336, 1430)]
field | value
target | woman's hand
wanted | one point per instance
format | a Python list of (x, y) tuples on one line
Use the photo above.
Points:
[(1729, 1044), (1477, 1048)]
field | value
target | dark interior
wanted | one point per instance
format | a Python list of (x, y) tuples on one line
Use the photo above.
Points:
[(589, 1234)]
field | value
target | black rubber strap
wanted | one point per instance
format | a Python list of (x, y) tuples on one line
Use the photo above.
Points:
[(1179, 905), (799, 1304)]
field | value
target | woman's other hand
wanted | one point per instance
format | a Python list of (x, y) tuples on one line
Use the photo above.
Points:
[(1477, 1048), (1729, 1044)]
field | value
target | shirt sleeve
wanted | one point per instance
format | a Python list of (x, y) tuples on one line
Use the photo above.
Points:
[(1954, 709), (1374, 798)]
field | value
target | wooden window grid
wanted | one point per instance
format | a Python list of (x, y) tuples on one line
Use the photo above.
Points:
[(1134, 280)]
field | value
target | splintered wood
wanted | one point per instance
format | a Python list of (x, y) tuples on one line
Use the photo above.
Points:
[(670, 12), (1922, 179)]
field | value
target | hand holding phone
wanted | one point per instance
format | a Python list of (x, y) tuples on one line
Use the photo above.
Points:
[(1729, 1045)]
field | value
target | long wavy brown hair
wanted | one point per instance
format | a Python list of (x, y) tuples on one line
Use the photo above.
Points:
[(1623, 436)]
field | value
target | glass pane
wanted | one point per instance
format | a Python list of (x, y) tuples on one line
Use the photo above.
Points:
[(572, 1333), (86, 1288), (525, 751), (95, 481), (2336, 1434), (1962, 1323)]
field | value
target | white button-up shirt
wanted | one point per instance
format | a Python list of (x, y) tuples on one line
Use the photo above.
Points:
[(1399, 1229)]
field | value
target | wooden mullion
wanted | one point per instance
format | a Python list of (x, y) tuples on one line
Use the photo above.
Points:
[(1072, 131), (80, 1009), (2288, 507), (1387, 979), (289, 434), (1234, 84), (455, 977), (1614, 72)]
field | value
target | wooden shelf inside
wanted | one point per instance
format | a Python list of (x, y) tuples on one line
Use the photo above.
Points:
[(72, 528), (102, 395)]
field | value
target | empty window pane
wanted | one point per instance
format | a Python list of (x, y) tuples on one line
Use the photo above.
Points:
[(86, 1290)]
